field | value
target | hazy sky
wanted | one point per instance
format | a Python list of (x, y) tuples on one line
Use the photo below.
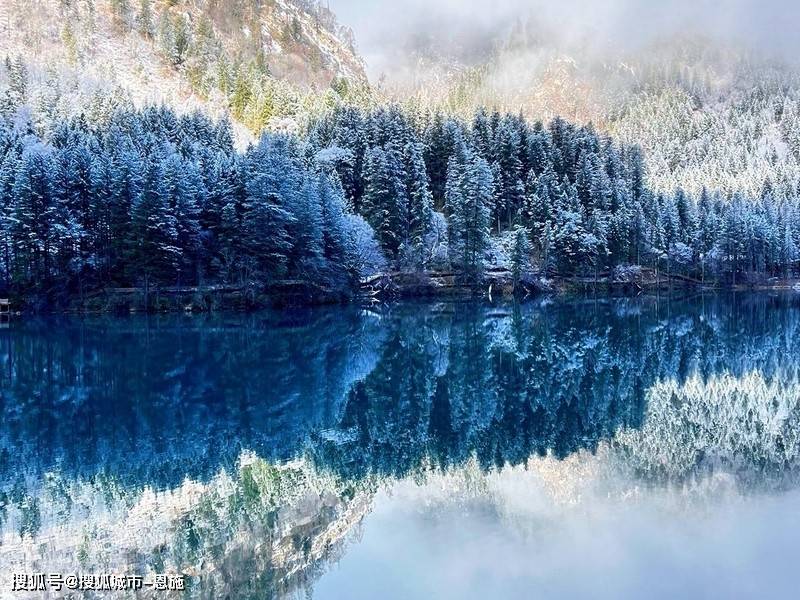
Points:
[(386, 29)]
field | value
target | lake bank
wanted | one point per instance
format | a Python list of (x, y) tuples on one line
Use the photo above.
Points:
[(384, 287)]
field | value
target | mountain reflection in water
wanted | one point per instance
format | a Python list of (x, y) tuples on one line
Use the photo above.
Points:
[(246, 450)]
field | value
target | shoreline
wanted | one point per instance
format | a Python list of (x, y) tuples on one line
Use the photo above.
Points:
[(382, 288)]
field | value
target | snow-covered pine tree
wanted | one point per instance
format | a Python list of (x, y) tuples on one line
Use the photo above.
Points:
[(420, 203), (385, 201), (469, 193)]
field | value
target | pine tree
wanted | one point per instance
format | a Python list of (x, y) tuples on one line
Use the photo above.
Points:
[(76, 192), (572, 243), (36, 217), (334, 226), (308, 233), (8, 168), (789, 246), (144, 18), (482, 135), (537, 212), (385, 201), (272, 180), (508, 174), (440, 140), (100, 186), (154, 256), (125, 188), (670, 228), (180, 189), (17, 93), (173, 37), (519, 254), (469, 194), (420, 199), (539, 150)]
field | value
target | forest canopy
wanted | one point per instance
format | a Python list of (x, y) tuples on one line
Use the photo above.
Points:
[(147, 197)]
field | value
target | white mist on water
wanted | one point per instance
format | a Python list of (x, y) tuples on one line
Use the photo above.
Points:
[(571, 529), (701, 501)]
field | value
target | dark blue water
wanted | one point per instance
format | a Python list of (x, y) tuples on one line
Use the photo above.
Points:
[(587, 448)]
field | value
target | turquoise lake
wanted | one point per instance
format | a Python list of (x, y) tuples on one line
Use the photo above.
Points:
[(614, 448)]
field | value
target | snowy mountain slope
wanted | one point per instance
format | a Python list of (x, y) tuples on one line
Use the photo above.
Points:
[(79, 49), (707, 113), (218, 56)]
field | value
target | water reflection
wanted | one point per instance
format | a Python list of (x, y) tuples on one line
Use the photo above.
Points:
[(246, 450), (150, 401)]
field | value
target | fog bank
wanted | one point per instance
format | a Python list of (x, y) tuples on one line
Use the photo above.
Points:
[(392, 34)]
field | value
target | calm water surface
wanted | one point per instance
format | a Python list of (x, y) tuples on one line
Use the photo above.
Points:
[(603, 449)]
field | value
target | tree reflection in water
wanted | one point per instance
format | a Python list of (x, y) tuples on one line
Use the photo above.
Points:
[(243, 449)]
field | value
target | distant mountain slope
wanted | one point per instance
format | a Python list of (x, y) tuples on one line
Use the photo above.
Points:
[(260, 59), (707, 113)]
